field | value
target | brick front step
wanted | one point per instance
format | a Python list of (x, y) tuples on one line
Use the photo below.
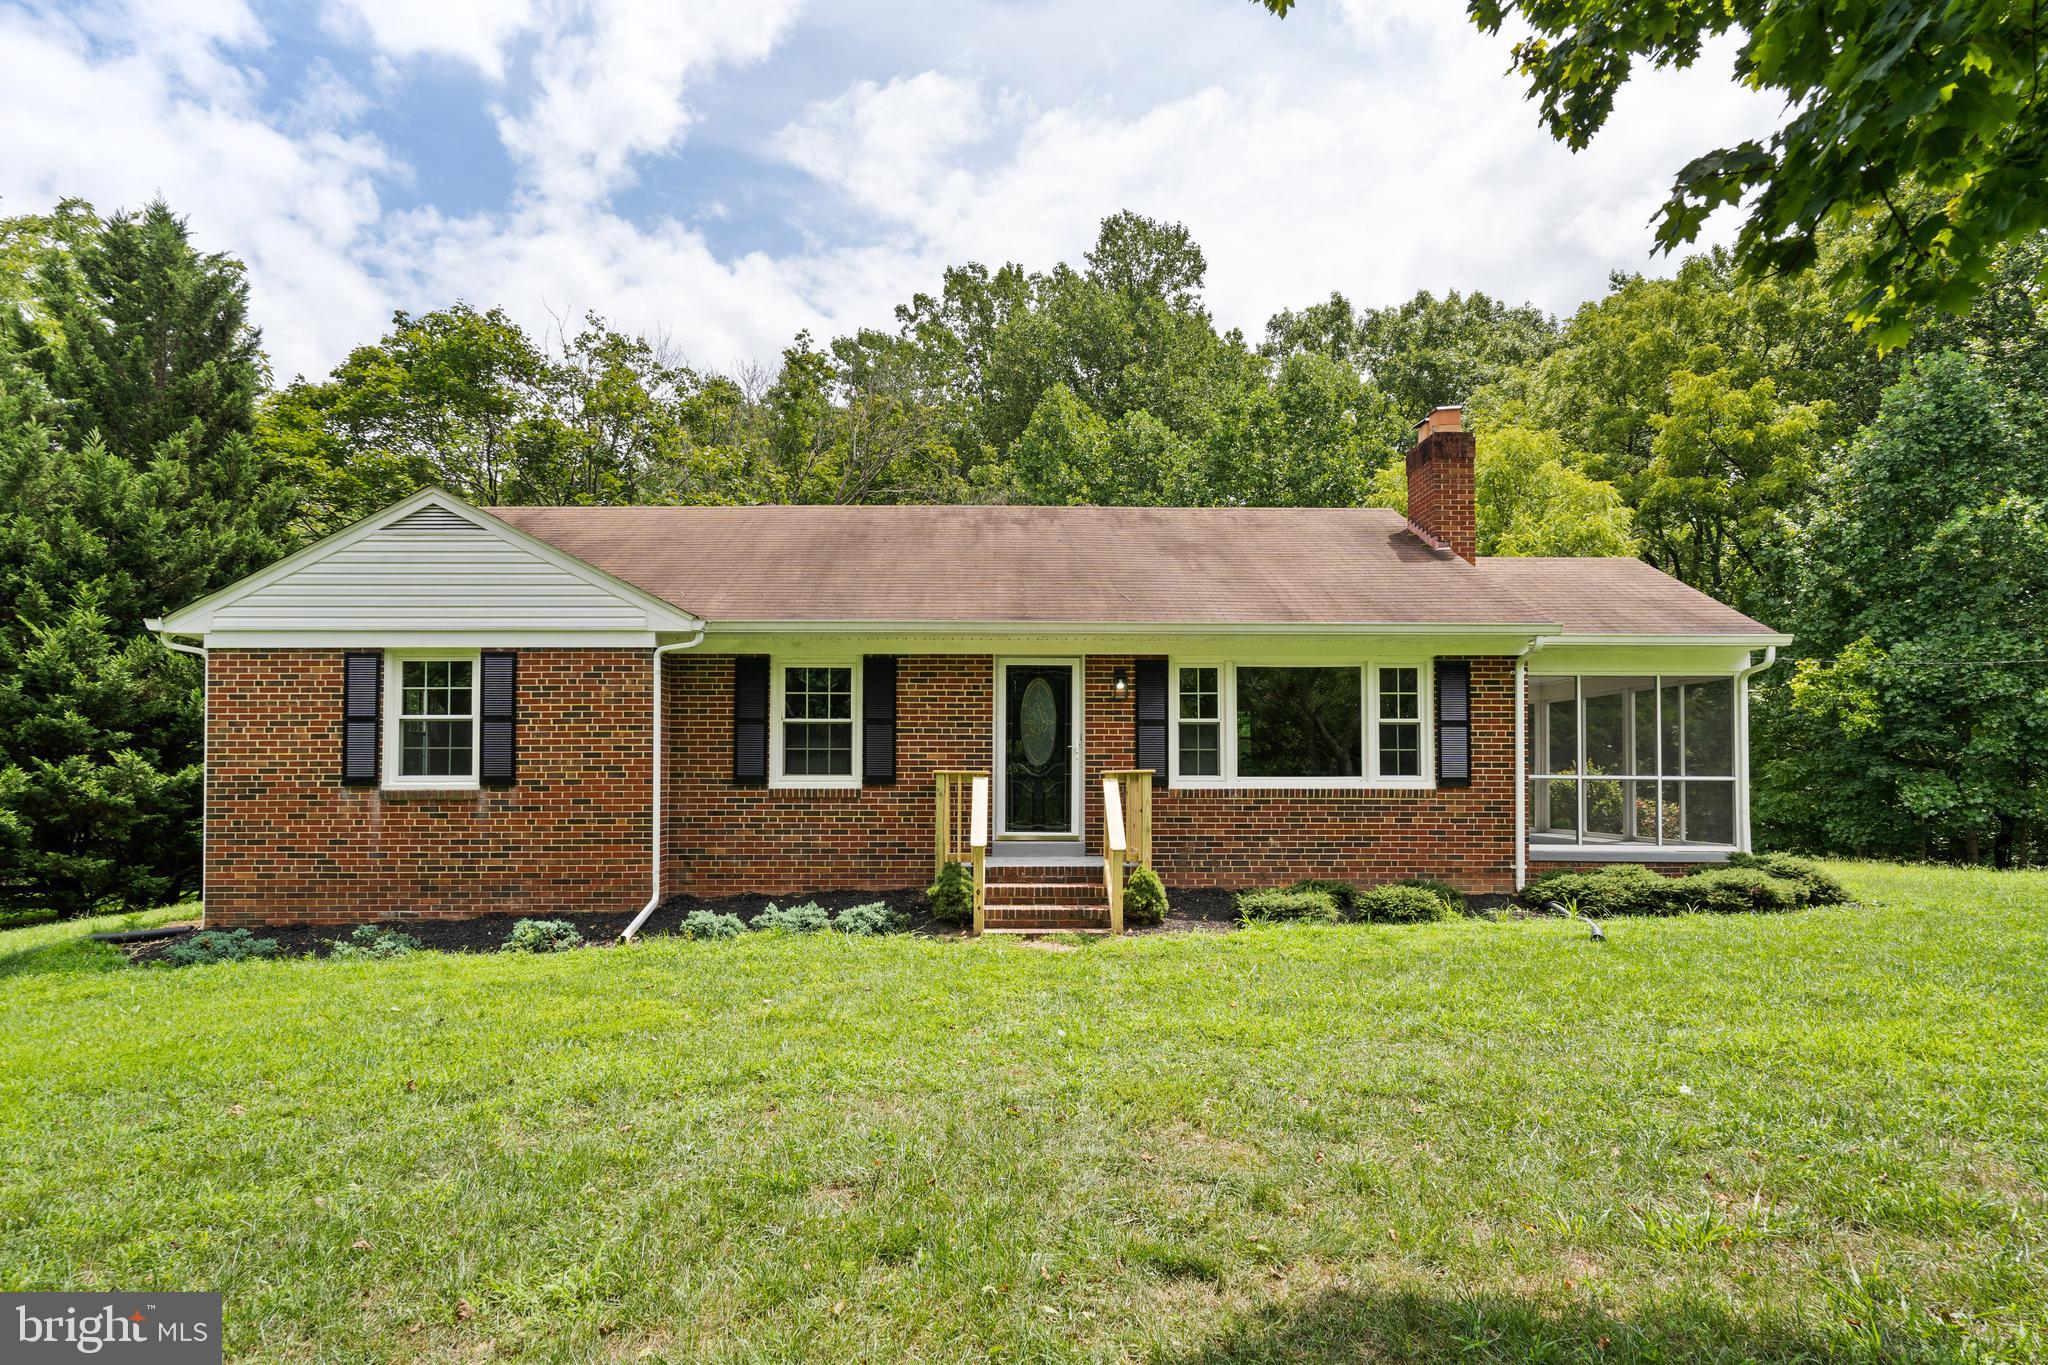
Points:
[(1008, 871), (1047, 918), (1042, 893)]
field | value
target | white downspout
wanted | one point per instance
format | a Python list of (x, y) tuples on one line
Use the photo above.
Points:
[(1522, 760), (655, 898), (1742, 751)]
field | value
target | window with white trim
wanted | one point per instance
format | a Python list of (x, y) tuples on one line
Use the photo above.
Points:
[(1300, 725), (431, 705), (816, 738), (1632, 760), (1400, 721)]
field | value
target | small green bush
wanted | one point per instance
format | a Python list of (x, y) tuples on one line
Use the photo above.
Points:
[(372, 942), (1401, 905), (709, 924), (1740, 887), (209, 946), (543, 936), (1144, 897), (808, 918), (1816, 885), (1443, 891), (1737, 890), (1285, 907), (1344, 895), (873, 918), (1611, 892), (952, 895)]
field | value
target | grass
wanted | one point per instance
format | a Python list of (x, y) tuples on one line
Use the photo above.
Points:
[(1815, 1137)]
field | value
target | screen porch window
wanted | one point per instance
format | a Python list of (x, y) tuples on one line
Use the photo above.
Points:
[(1632, 760), (435, 721), (1313, 725), (817, 722)]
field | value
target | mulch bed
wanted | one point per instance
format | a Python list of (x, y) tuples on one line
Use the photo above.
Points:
[(1193, 911)]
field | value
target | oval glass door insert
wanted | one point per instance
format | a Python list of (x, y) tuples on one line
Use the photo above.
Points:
[(1038, 718)]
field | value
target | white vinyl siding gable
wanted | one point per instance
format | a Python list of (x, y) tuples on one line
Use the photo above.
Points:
[(441, 573)]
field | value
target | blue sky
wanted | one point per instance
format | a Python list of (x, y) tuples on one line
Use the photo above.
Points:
[(723, 174)]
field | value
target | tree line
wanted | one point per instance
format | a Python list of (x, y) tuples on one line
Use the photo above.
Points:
[(1735, 432)]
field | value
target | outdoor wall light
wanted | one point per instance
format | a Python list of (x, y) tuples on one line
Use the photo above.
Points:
[(1122, 683)]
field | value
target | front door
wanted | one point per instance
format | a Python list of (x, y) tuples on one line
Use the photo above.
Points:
[(1038, 749)]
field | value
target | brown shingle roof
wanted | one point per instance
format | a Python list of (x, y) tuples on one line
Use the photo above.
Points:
[(1147, 565), (1615, 597)]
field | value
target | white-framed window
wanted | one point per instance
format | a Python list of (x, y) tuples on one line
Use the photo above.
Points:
[(1300, 725), (814, 740), (1643, 760), (430, 719)]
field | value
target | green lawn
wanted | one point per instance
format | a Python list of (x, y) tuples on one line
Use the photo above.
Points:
[(1814, 1136)]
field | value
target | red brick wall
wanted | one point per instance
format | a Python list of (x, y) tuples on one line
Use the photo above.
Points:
[(1462, 835), (723, 839), (286, 842)]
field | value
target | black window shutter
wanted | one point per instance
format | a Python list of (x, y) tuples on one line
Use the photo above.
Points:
[(362, 694), (750, 720), (878, 720), (498, 745), (1151, 712), (1453, 723)]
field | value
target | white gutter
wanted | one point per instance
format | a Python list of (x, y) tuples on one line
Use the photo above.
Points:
[(155, 626), (654, 899), (1522, 761), (1742, 751)]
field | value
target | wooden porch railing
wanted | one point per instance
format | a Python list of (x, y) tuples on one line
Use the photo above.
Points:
[(961, 820), (1137, 802), (1126, 832)]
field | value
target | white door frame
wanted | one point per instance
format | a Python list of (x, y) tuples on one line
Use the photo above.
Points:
[(1074, 742)]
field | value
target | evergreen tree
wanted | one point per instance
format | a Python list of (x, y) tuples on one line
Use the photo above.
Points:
[(130, 484)]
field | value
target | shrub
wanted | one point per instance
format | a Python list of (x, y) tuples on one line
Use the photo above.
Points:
[(1401, 905), (1343, 895), (1443, 891), (1286, 906), (1735, 890), (1144, 897), (952, 895), (209, 946), (1624, 889), (1816, 886), (374, 942), (808, 918), (709, 924), (543, 936), (873, 918)]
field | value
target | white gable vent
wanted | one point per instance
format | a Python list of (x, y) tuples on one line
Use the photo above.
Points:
[(434, 519)]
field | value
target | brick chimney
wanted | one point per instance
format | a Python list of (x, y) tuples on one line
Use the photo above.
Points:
[(1441, 497)]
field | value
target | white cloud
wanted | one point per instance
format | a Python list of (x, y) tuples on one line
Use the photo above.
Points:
[(885, 145), (1317, 162), (473, 31), (1437, 178), (615, 89)]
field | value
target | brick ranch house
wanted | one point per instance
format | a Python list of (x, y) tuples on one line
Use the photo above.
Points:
[(453, 711)]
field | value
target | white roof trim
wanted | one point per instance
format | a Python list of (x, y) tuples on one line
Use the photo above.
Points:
[(197, 618)]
